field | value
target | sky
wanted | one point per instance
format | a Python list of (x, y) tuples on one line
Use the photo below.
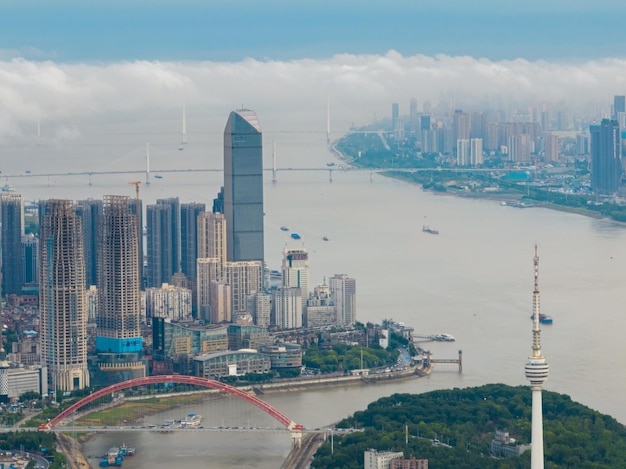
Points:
[(73, 60)]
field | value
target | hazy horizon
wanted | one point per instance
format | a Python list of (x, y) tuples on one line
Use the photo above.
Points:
[(64, 63)]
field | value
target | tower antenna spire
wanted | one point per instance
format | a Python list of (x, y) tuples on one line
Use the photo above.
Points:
[(536, 372)]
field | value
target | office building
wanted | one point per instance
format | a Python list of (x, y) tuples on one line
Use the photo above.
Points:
[(243, 187), (62, 305), (343, 292), (295, 270), (30, 260), (11, 231), (606, 157)]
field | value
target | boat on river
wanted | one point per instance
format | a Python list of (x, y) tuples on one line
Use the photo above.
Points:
[(284, 228), (544, 318), (429, 230), (295, 235)]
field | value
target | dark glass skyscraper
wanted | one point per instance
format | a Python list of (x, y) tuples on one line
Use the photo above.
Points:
[(243, 187), (189, 237), (11, 231), (163, 228), (606, 158)]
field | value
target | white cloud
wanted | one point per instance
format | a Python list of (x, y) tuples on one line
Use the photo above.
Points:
[(291, 94)]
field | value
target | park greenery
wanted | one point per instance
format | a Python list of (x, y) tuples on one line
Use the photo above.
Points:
[(367, 150), (454, 428)]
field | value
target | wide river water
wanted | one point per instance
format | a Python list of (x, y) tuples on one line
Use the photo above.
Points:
[(474, 280)]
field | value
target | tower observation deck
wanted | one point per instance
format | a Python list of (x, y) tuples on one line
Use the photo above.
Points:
[(536, 372)]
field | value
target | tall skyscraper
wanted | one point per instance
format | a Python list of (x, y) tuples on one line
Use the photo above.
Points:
[(11, 231), (296, 270), (118, 279), (163, 224), (89, 211), (30, 259), (395, 116), (619, 105), (606, 157), (343, 292), (189, 238), (62, 303), (461, 126), (537, 373), (118, 335), (243, 187)]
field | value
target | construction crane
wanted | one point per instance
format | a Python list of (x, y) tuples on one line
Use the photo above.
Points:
[(136, 184)]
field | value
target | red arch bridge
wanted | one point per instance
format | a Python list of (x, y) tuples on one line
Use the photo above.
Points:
[(293, 427)]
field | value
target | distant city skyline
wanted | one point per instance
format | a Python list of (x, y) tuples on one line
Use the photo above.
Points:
[(66, 63)]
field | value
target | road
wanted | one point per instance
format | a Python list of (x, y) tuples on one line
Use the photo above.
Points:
[(301, 457)]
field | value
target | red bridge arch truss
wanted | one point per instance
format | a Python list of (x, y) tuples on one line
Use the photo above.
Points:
[(179, 379)]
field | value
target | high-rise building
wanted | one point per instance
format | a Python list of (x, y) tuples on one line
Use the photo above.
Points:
[(461, 126), (210, 270), (89, 211), (119, 306), (343, 293), (118, 335), (606, 157), (536, 372), (320, 308), (30, 259), (463, 152), (551, 147), (287, 304), (11, 231), (162, 242), (62, 303), (296, 270), (619, 105), (395, 116), (169, 301), (476, 151), (243, 187), (189, 237), (259, 305), (244, 277), (212, 235)]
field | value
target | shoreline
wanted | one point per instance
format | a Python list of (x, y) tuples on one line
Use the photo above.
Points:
[(294, 385), (502, 197)]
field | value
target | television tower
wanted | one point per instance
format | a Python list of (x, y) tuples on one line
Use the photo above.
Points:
[(536, 372)]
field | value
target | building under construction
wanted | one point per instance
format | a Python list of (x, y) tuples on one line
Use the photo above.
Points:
[(118, 334), (63, 309)]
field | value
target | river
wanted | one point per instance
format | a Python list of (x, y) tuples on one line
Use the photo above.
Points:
[(474, 280)]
